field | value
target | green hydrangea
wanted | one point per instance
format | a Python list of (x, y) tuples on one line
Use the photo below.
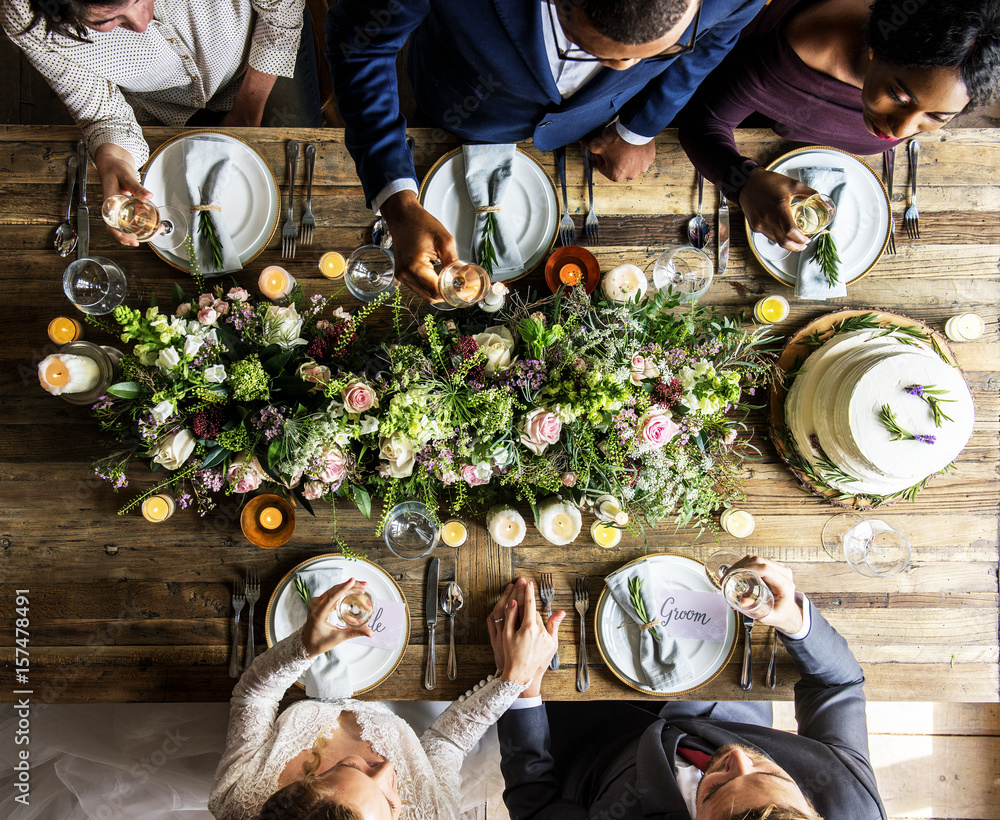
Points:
[(235, 440), (248, 380)]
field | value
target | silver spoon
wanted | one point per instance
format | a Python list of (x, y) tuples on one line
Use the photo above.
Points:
[(451, 602), (698, 227), (65, 239)]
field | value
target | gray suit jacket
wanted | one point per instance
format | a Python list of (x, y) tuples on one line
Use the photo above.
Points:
[(624, 768)]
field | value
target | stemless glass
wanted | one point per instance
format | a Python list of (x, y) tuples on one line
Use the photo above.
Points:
[(370, 273), (463, 284), (877, 550), (684, 269), (746, 592), (410, 531), (166, 227), (355, 609), (95, 284)]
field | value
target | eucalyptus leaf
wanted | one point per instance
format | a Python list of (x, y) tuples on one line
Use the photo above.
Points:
[(127, 390), (363, 500), (215, 455)]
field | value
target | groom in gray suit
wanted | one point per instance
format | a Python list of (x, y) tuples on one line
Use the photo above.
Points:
[(702, 760)]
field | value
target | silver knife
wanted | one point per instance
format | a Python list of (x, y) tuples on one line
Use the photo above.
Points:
[(722, 236), (431, 610), (746, 681), (83, 212)]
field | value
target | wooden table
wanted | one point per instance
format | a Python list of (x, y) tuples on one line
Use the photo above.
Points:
[(122, 610)]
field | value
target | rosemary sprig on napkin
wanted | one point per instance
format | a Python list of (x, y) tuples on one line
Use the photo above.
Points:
[(206, 227), (635, 598), (825, 254), (901, 433), (303, 590), (487, 250)]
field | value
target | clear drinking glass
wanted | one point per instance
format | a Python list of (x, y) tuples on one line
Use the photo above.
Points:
[(95, 284), (834, 531), (463, 284), (355, 609), (684, 269), (370, 272), (877, 550), (718, 564), (410, 531), (813, 214), (166, 227), (746, 592)]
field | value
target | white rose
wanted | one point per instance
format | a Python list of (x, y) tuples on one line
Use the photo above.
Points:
[(399, 455), (282, 326), (497, 342), (168, 359), (163, 411), (216, 374), (192, 344), (175, 449)]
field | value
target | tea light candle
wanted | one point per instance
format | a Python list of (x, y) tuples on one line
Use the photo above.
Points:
[(158, 508), (558, 522), (66, 373), (271, 518), (332, 264), (966, 327), (605, 535), (63, 330), (495, 298), (506, 526), (275, 283), (771, 309), (608, 509), (738, 523), (454, 533), (624, 283), (571, 274)]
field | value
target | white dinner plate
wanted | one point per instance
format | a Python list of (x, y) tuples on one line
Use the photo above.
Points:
[(862, 225), (619, 647), (370, 665), (249, 202), (530, 208)]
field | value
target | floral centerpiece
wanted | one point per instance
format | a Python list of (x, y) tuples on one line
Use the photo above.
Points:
[(642, 401)]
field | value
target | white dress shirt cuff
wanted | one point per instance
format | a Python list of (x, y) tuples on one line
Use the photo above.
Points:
[(630, 136), (526, 703), (803, 602), (393, 187)]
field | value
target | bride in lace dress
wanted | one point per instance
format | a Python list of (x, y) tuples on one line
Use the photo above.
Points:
[(347, 759)]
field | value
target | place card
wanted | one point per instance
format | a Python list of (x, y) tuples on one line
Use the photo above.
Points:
[(687, 613), (386, 623)]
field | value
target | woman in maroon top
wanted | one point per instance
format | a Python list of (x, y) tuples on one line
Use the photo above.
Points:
[(853, 74)]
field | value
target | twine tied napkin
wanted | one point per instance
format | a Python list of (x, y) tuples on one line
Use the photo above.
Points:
[(811, 282), (488, 170), (659, 657), (208, 166)]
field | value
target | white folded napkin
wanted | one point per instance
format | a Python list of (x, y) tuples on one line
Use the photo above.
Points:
[(811, 282), (329, 677), (660, 660), (488, 170), (208, 166)]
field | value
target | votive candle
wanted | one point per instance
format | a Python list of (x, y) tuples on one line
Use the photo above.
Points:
[(332, 264), (271, 518), (495, 298), (158, 508), (66, 373), (605, 535), (454, 533), (558, 521), (738, 523), (275, 282), (63, 330), (966, 327), (624, 283), (506, 526), (571, 274), (771, 309)]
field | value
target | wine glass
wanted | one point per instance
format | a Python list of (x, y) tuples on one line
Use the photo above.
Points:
[(746, 592), (355, 609), (463, 284), (410, 531), (370, 273), (834, 531), (718, 564), (162, 225), (95, 284), (684, 269), (814, 213), (876, 549)]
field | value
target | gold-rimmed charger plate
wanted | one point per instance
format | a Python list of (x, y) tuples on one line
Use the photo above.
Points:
[(249, 202), (861, 228), (370, 665), (531, 209), (618, 646)]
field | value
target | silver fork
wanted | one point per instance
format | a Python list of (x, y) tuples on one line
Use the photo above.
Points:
[(289, 232), (308, 224), (888, 165), (547, 592), (253, 593), (234, 656), (590, 225), (581, 603), (911, 219), (567, 230)]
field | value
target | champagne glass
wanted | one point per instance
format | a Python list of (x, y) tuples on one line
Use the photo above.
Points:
[(410, 530), (685, 269), (463, 284), (814, 213), (746, 592), (718, 564), (370, 273), (162, 225), (875, 549), (94, 284), (355, 609)]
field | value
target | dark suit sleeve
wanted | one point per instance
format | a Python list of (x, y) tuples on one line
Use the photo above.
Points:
[(363, 38), (652, 109), (829, 697), (532, 791)]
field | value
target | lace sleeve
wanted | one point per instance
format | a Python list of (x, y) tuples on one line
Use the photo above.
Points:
[(459, 728), (253, 709)]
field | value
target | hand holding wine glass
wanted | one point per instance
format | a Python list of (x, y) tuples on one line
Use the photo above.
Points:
[(786, 613), (318, 634)]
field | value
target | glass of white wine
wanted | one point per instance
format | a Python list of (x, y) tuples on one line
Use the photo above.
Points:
[(746, 592), (463, 284), (813, 214), (355, 609), (162, 225)]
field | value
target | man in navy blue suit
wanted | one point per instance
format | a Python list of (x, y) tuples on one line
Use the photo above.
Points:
[(610, 72)]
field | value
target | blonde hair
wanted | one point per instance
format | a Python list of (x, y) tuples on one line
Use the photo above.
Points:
[(776, 812)]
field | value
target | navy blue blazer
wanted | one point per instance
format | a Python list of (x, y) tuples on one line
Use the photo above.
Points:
[(479, 71)]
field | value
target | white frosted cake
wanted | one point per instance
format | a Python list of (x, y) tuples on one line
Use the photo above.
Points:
[(833, 412)]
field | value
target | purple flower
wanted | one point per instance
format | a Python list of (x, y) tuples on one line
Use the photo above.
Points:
[(925, 439), (916, 390)]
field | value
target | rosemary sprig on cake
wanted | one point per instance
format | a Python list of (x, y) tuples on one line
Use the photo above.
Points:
[(898, 432), (932, 395)]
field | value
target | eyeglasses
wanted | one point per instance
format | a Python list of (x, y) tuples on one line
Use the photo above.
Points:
[(576, 54)]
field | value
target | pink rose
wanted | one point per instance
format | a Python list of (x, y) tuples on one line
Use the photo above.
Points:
[(207, 316), (310, 371), (476, 475), (322, 325), (643, 368), (450, 477), (313, 490), (569, 479), (539, 429), (358, 397), (333, 466), (657, 427), (221, 307), (183, 309), (244, 476), (206, 300), (340, 313), (238, 294)]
